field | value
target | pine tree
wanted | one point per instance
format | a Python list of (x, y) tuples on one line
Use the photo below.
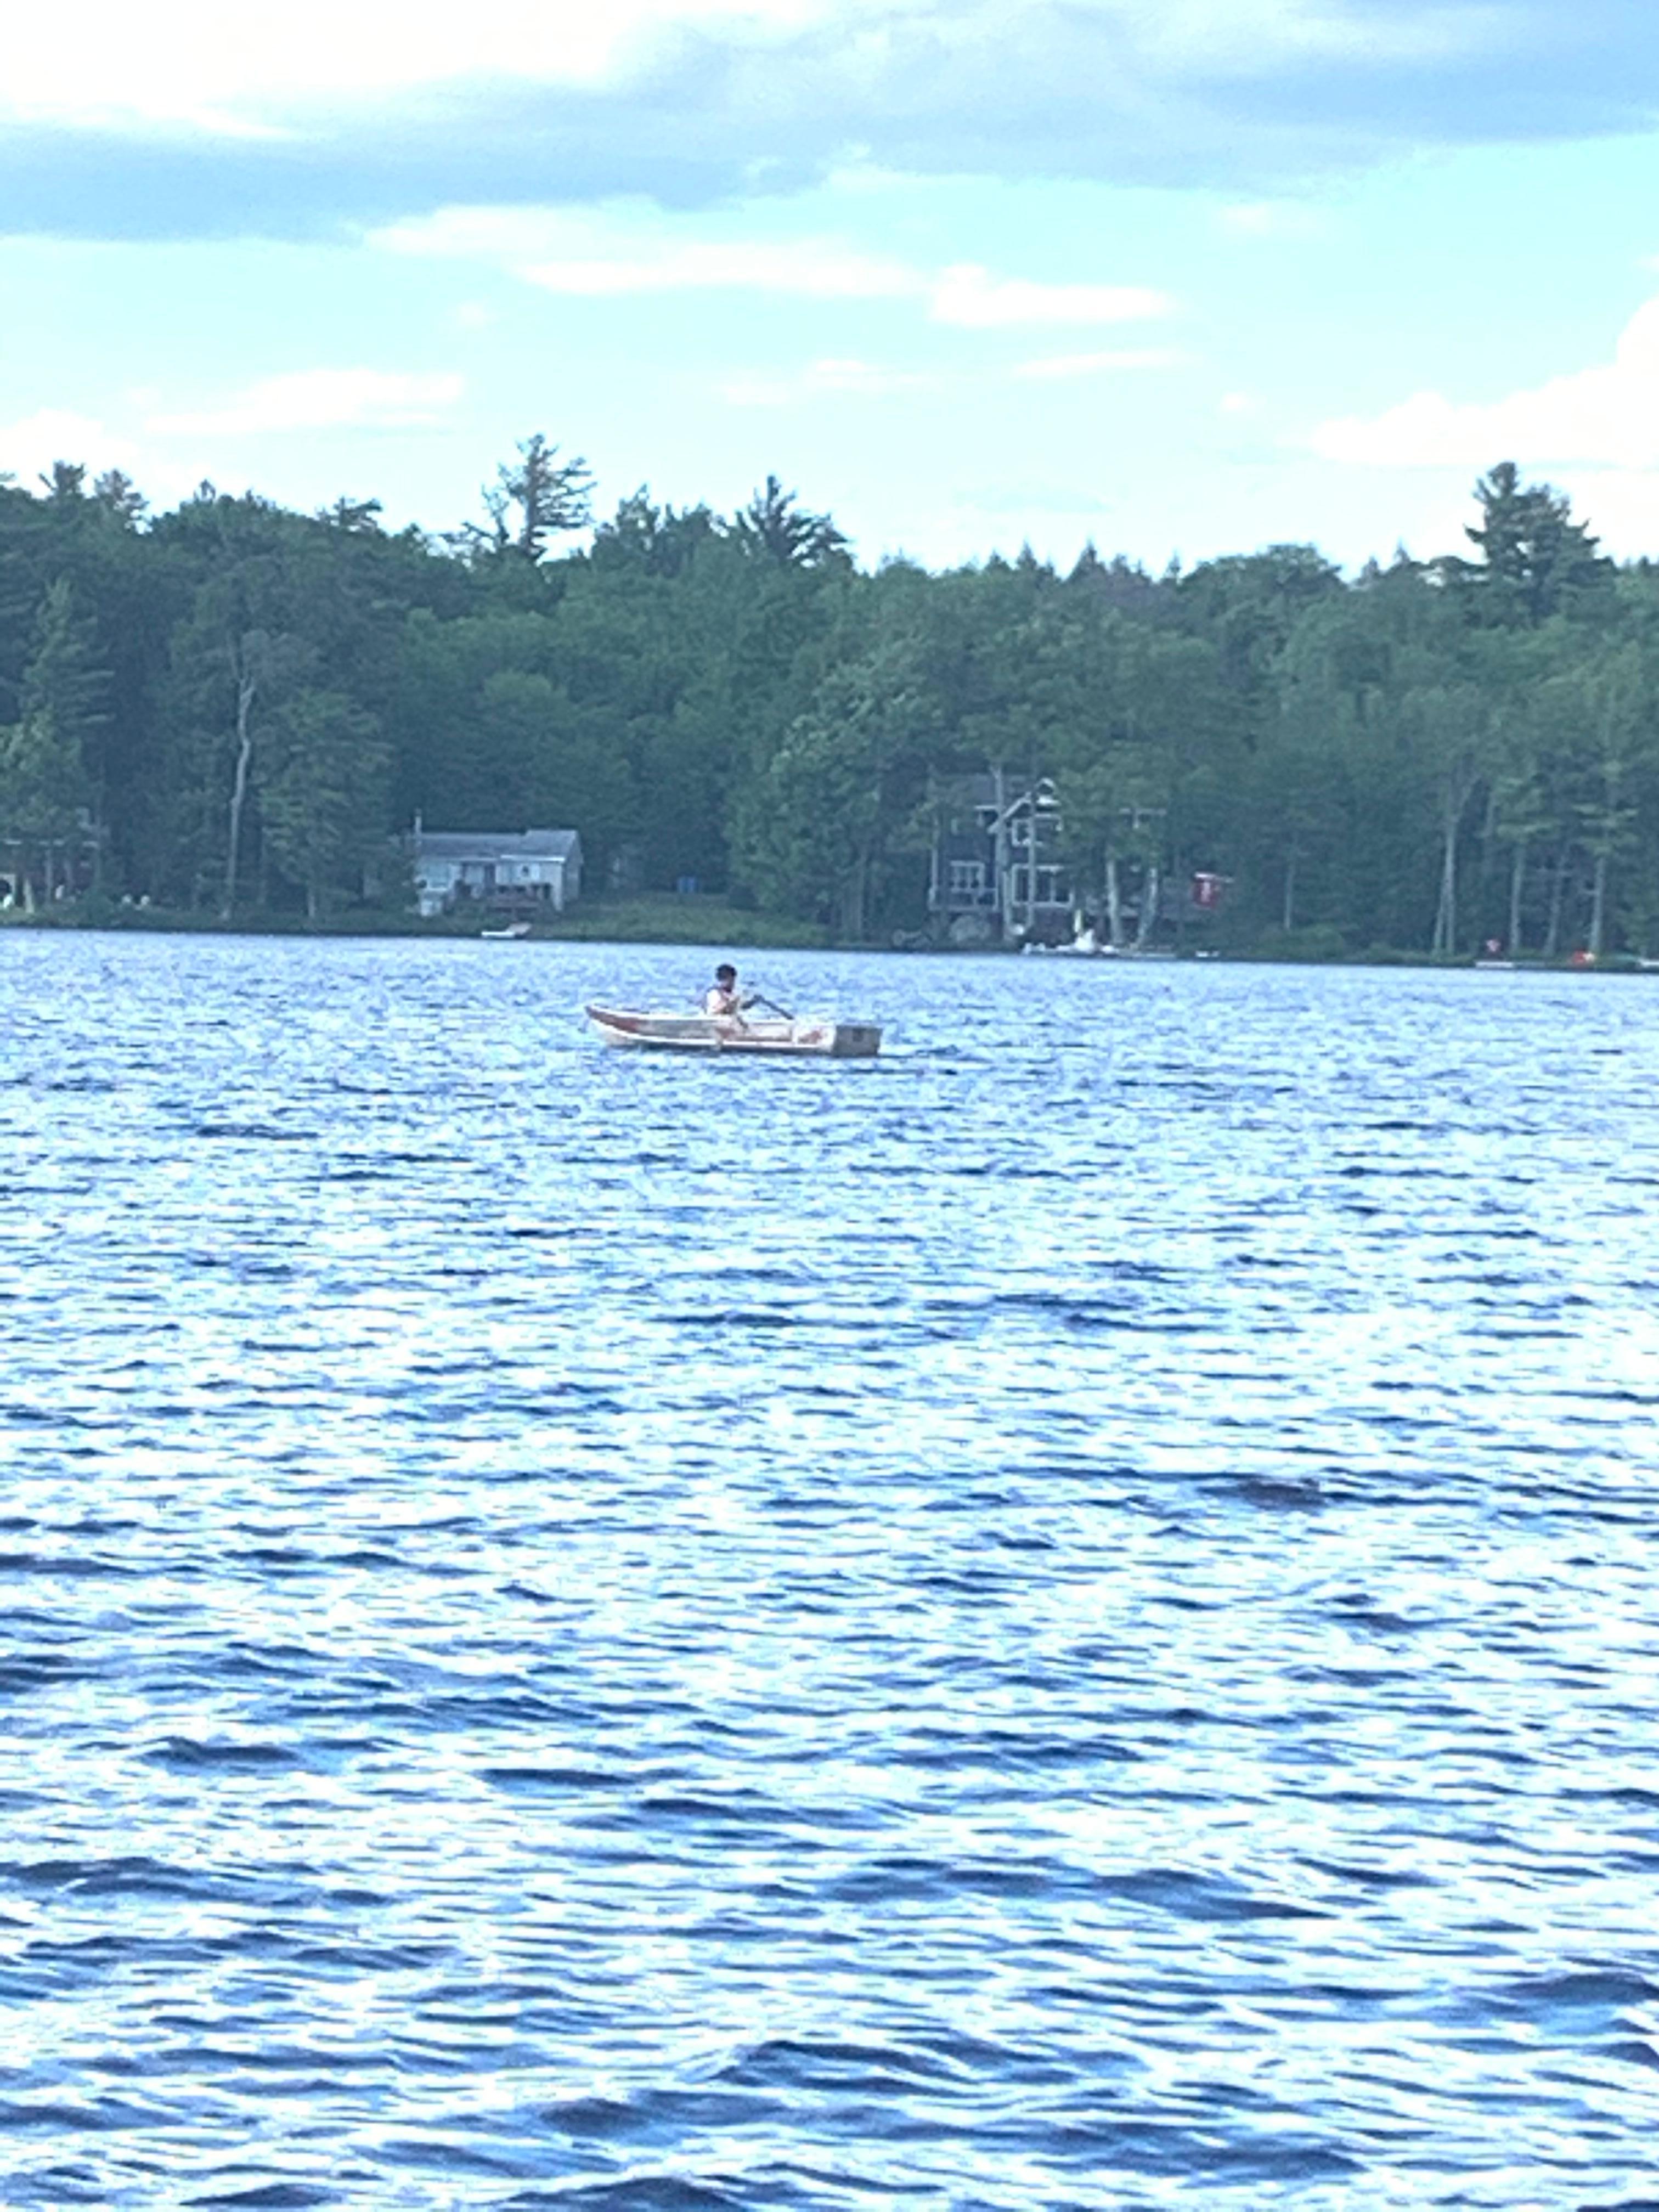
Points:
[(116, 491), (1533, 557), (776, 524), (550, 498)]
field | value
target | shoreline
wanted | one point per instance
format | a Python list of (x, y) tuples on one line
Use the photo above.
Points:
[(754, 932)]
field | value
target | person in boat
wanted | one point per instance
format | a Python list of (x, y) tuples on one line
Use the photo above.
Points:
[(723, 997)]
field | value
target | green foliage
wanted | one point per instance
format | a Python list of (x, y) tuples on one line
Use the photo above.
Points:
[(775, 527), (238, 709), (533, 500), (323, 801), (1534, 559), (666, 919), (49, 757), (64, 685), (43, 784)]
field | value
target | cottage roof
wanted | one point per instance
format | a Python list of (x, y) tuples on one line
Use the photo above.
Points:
[(496, 844)]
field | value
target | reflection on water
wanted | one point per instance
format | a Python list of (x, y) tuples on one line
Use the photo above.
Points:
[(1066, 1618)]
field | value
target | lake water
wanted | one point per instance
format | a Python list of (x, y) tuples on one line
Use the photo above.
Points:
[(1067, 1617)]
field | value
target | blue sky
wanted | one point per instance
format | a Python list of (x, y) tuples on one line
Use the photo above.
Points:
[(1181, 276)]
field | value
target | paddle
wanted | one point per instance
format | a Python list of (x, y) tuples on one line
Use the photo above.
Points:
[(771, 1006)]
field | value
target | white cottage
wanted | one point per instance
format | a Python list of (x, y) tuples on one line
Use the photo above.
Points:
[(524, 871)]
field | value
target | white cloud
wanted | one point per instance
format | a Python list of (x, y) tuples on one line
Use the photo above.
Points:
[(232, 70), (1254, 37), (627, 250), (321, 400), (1621, 507), (1607, 415), (507, 236), (1062, 367), (387, 105), (971, 298), (29, 446)]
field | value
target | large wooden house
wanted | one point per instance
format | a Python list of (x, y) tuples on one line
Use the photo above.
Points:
[(996, 868)]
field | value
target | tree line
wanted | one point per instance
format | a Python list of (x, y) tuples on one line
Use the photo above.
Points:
[(232, 710)]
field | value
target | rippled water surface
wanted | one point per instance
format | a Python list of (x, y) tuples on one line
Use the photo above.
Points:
[(1066, 1618)]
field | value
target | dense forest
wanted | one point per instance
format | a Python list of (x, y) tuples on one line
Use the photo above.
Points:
[(232, 710)]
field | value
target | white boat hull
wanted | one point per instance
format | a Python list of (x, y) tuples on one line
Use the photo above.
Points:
[(805, 1037)]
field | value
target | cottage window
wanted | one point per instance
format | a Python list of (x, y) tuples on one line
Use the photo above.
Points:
[(967, 876)]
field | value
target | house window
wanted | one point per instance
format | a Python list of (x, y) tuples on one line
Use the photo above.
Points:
[(967, 876), (1041, 886)]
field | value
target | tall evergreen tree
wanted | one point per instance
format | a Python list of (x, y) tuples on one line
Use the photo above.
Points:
[(533, 501), (1534, 558), (323, 795), (775, 525)]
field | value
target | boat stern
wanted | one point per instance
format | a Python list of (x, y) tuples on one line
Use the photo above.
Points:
[(855, 1041)]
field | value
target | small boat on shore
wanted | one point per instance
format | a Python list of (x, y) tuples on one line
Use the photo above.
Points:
[(808, 1036)]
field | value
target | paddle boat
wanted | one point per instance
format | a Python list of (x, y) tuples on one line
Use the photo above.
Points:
[(778, 1035)]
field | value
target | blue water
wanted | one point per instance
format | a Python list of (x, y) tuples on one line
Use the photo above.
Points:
[(1067, 1618)]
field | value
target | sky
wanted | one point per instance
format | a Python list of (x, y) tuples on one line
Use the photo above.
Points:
[(1178, 278)]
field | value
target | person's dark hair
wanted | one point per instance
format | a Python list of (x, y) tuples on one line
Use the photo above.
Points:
[(725, 973)]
